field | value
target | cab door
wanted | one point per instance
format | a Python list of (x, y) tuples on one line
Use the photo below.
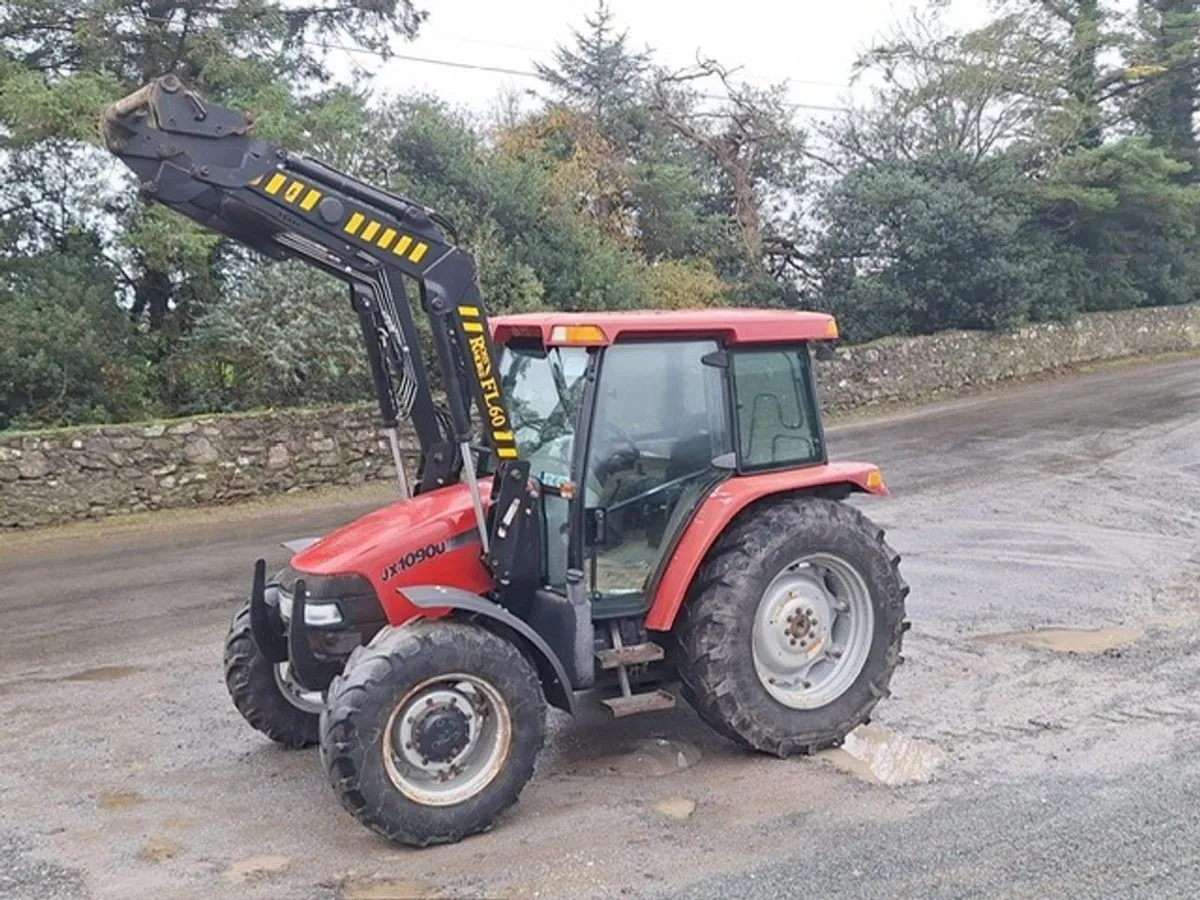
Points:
[(660, 420)]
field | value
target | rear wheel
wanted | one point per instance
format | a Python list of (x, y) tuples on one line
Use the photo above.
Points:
[(432, 730), (793, 629), (265, 693)]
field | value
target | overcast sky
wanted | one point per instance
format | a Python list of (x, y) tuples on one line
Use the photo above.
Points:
[(809, 43)]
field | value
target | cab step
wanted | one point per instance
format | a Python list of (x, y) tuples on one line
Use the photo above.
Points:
[(630, 655), (620, 656), (631, 705)]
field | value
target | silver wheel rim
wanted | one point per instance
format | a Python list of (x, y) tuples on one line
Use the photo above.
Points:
[(468, 769), (813, 631), (305, 701)]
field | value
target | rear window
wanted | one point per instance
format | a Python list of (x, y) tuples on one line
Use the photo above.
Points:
[(778, 422)]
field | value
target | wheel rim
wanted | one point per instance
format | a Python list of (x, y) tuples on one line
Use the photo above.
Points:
[(304, 700), (813, 631), (447, 739)]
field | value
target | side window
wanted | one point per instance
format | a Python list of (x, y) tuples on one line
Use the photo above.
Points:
[(776, 410)]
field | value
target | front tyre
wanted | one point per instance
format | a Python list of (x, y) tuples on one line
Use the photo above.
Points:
[(264, 693), (432, 730), (794, 627)]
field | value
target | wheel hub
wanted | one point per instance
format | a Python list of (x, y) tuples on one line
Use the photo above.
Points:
[(447, 739), (812, 631), (442, 734)]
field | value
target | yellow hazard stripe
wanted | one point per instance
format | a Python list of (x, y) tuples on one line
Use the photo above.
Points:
[(503, 436), (385, 239), (401, 245), (294, 190), (310, 200), (370, 231), (278, 180), (355, 223), (474, 327), (507, 453), (471, 311), (418, 252)]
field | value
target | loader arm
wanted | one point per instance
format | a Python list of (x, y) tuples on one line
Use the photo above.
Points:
[(202, 161)]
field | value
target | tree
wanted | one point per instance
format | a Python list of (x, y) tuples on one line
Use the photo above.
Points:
[(61, 62), (67, 354), (1168, 53), (602, 77), (758, 159)]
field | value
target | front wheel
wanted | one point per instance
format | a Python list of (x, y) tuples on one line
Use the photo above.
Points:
[(432, 730), (264, 693), (794, 627)]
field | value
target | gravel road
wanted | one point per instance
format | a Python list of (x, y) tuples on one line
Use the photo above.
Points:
[(1011, 761)]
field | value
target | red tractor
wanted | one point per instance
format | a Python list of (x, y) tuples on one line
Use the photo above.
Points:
[(605, 504)]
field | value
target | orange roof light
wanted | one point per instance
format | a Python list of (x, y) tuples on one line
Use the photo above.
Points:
[(831, 329), (578, 335), (875, 480)]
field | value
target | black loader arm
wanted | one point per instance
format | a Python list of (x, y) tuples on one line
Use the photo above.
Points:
[(202, 161)]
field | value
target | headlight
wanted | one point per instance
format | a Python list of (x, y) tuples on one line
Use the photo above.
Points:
[(317, 614)]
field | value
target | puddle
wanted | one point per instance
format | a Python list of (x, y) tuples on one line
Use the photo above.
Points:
[(160, 850), (677, 808), (119, 799), (651, 758), (885, 757), (255, 867), (1068, 640), (390, 889), (102, 673)]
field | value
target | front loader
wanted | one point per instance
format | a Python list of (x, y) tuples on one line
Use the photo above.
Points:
[(604, 506)]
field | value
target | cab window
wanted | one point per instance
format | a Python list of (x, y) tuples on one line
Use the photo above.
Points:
[(776, 409)]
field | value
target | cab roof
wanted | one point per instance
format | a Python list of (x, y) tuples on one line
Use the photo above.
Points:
[(734, 326)]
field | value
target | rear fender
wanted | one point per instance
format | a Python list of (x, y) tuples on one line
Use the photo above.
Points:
[(728, 499), (436, 601)]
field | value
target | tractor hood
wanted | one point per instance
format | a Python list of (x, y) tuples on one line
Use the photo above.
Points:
[(428, 539)]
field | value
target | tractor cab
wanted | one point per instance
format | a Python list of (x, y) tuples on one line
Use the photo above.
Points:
[(640, 416)]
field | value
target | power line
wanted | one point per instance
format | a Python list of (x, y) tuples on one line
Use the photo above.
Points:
[(521, 73), (503, 70)]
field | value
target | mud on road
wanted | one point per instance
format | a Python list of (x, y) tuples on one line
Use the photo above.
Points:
[(1041, 738)]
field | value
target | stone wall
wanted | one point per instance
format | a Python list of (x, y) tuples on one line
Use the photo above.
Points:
[(76, 473), (908, 369)]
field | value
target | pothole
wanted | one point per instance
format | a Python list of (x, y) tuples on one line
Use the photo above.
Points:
[(1068, 640), (886, 757), (119, 799), (256, 867), (390, 889), (652, 758)]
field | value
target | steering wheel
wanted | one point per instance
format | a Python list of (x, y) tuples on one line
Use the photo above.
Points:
[(622, 443)]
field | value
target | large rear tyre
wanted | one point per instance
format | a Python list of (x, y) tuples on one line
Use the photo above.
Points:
[(264, 693), (793, 627), (432, 730)]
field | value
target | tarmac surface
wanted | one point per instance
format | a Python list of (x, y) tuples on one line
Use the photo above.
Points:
[(1010, 761)]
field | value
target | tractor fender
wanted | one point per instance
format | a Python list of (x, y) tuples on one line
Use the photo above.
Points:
[(725, 502), (550, 669)]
